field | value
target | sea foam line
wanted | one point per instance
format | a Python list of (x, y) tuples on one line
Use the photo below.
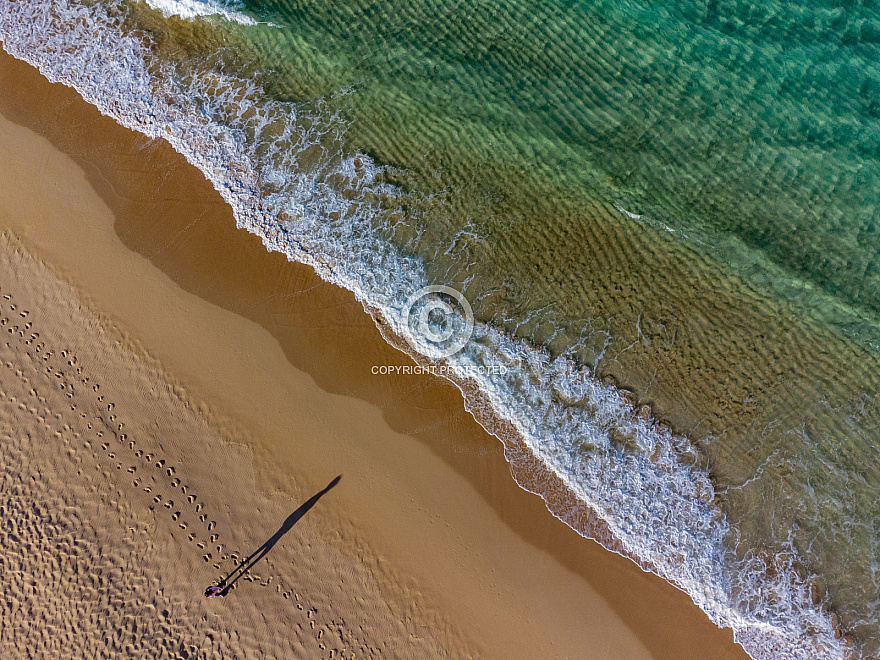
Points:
[(189, 9), (657, 504)]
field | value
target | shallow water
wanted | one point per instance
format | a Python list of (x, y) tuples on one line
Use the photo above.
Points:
[(673, 199)]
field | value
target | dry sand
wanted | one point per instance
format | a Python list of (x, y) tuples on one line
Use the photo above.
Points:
[(242, 386)]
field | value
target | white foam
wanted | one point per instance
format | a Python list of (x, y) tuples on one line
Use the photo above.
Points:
[(190, 9), (658, 505), (629, 214)]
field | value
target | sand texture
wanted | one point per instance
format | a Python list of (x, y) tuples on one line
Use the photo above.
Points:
[(114, 519)]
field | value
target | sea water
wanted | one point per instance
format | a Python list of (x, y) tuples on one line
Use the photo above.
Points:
[(664, 217)]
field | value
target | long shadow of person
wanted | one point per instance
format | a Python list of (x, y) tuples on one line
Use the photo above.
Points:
[(225, 585)]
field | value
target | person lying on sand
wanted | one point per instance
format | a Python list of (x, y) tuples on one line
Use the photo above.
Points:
[(213, 591)]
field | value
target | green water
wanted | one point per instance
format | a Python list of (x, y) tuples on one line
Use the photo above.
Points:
[(756, 122), (742, 305)]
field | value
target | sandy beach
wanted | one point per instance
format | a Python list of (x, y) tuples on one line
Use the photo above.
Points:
[(172, 393)]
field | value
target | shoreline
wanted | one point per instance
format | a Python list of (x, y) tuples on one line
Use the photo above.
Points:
[(248, 333)]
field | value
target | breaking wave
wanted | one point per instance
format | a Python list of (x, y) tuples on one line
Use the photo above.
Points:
[(196, 8)]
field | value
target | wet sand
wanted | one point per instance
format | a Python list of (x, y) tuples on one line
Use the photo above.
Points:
[(254, 379)]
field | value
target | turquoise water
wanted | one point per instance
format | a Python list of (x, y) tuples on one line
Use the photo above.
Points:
[(753, 122), (657, 204)]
